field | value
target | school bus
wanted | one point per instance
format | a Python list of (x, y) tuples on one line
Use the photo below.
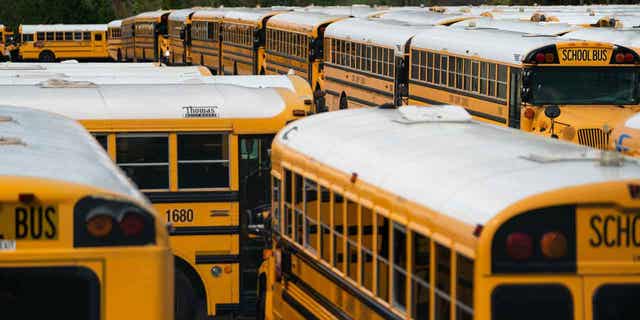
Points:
[(199, 152), (48, 43), (365, 62), (243, 41), (77, 239), (294, 42), (624, 37), (543, 229), (151, 35), (128, 38), (206, 39), (573, 90), (114, 40), (4, 48), (180, 36)]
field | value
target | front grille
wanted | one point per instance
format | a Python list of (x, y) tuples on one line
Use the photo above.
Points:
[(595, 138)]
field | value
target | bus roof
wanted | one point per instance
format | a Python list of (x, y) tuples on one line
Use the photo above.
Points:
[(180, 15), (390, 33), (142, 101), (624, 37), (468, 170), (498, 45), (209, 14), (359, 11), (151, 15), (528, 27), (423, 17), (307, 21), (249, 16), (52, 147), (32, 28), (115, 24)]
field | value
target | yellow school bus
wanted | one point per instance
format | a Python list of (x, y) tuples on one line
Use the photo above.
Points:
[(114, 40), (243, 40), (48, 43), (128, 38), (151, 35), (4, 48), (200, 153), (206, 39), (180, 36), (573, 90), (402, 213), (294, 43), (77, 239)]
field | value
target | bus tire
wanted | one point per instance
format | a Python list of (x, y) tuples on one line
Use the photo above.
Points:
[(344, 103), (187, 304), (47, 56), (319, 100)]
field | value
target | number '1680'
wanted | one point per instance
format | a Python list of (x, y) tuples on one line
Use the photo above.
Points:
[(179, 215)]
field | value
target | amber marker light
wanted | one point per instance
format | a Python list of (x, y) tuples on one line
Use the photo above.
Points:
[(529, 113), (553, 245), (100, 226)]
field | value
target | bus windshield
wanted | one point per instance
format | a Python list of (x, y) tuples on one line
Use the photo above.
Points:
[(589, 86)]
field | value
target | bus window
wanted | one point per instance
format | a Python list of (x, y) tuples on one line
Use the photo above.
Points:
[(367, 248), (59, 36), (443, 282), (87, 35), (145, 159), (338, 227), (288, 191), (77, 36), (50, 36), (464, 288), (492, 79), (275, 204), (484, 66), (203, 161), (311, 213), (40, 36), (97, 37), (27, 38), (420, 275), (351, 231), (102, 140), (325, 223), (68, 36), (399, 266), (383, 257), (299, 209)]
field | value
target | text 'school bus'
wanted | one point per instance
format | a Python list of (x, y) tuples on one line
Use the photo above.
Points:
[(569, 89), (114, 41), (200, 153), (151, 35), (77, 239), (128, 43), (294, 43), (180, 36), (206, 38), (48, 43), (365, 62), (629, 38), (385, 214), (243, 41)]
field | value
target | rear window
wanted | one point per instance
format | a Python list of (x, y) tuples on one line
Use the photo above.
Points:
[(619, 301), (532, 302)]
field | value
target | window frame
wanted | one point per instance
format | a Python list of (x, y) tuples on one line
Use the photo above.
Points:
[(226, 137), (134, 164)]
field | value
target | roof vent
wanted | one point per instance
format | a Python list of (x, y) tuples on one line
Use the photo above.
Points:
[(6, 141), (442, 113), (6, 119), (59, 83)]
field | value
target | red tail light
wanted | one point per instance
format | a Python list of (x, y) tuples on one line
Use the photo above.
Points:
[(628, 57), (549, 57), (132, 224), (529, 113), (619, 58), (519, 246), (540, 58)]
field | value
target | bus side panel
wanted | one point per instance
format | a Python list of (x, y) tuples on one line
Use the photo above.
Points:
[(361, 90)]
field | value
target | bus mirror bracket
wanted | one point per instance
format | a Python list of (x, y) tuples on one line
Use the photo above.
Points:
[(552, 112)]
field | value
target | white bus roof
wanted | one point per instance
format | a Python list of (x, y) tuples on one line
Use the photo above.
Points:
[(306, 20), (149, 15), (33, 28), (115, 24), (470, 171), (180, 15), (210, 13), (53, 147), (498, 45), (386, 33), (422, 17), (253, 16), (142, 101), (623, 37), (528, 27), (358, 11)]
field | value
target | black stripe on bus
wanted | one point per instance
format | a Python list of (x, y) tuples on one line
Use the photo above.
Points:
[(354, 99), (375, 306), (471, 111), (364, 73), (306, 313), (223, 308), (204, 231), (193, 196), (238, 61), (286, 66), (359, 86), (237, 45), (238, 54), (460, 92), (318, 297), (217, 258), (281, 55)]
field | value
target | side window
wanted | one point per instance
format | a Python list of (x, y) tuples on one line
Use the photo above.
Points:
[(311, 213), (443, 282), (444, 65), (399, 266), (87, 36), (298, 185), (325, 223), (437, 71), (464, 288), (352, 231), (97, 37), (420, 275), (288, 208), (50, 36), (77, 36), (59, 36), (338, 227), (474, 76), (502, 82), (40, 36), (27, 37), (484, 66), (102, 140), (68, 35), (492, 79), (276, 198), (203, 161), (383, 257), (145, 159), (367, 248)]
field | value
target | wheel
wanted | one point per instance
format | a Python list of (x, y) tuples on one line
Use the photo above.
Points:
[(187, 305), (47, 56), (119, 55), (344, 104), (319, 101)]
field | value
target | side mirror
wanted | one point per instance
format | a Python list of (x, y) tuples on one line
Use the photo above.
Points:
[(525, 94), (552, 112)]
